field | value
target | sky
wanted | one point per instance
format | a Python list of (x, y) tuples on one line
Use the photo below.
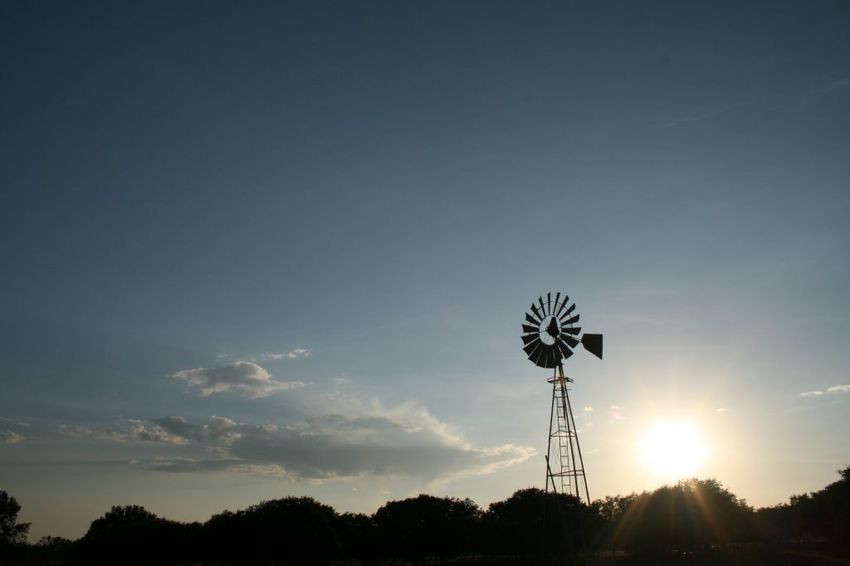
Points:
[(253, 250)]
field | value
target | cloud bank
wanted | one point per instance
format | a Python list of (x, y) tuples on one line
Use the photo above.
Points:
[(404, 441)]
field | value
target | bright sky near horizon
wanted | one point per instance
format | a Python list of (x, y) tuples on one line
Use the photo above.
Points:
[(252, 250)]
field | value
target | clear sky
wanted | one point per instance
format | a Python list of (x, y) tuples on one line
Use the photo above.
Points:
[(250, 250)]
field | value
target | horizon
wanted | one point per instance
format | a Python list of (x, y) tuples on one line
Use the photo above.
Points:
[(286, 249)]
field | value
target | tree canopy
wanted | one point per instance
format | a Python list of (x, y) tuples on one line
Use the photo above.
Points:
[(531, 526)]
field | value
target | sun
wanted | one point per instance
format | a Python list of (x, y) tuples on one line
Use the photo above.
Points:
[(672, 450)]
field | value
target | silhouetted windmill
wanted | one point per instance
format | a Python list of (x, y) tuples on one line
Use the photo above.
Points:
[(549, 337)]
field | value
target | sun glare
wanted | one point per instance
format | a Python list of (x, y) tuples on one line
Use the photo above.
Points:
[(672, 450)]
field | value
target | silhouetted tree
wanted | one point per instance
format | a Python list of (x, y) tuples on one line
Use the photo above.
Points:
[(533, 523), (418, 527), (50, 550), (822, 515), (833, 504), (358, 537), (693, 514), (133, 535), (292, 530), (13, 535), (607, 521)]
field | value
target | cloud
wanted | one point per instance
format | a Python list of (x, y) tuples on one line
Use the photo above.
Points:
[(844, 388), (249, 378), (290, 355), (126, 431), (14, 422), (79, 431), (722, 410), (588, 409), (11, 437), (402, 441)]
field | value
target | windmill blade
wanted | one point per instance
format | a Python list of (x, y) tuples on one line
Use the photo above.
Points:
[(548, 304), (528, 328), (565, 350), (535, 311), (531, 319), (543, 359), (571, 342), (572, 319), (568, 311), (564, 303), (593, 344), (530, 347), (542, 307), (539, 355), (573, 330), (557, 298), (529, 338)]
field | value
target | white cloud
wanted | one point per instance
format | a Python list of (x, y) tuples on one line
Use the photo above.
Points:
[(11, 437), (290, 355), (811, 393), (722, 410), (249, 378), (839, 389), (588, 409)]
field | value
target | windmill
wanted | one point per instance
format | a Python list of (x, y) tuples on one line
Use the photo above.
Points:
[(549, 336)]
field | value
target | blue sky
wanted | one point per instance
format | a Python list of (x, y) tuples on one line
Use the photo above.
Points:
[(275, 249)]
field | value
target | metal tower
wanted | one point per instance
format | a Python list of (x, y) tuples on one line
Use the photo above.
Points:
[(564, 463)]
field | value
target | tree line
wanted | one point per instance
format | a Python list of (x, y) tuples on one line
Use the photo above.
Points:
[(531, 526)]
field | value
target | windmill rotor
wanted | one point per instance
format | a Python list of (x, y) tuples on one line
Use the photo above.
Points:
[(549, 334)]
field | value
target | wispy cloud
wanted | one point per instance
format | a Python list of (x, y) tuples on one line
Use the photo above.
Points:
[(248, 378), (588, 409), (12, 437), (130, 430), (831, 87), (14, 422), (290, 355), (832, 390), (96, 433)]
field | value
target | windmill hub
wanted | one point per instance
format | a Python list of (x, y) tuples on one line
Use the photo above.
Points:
[(553, 330)]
